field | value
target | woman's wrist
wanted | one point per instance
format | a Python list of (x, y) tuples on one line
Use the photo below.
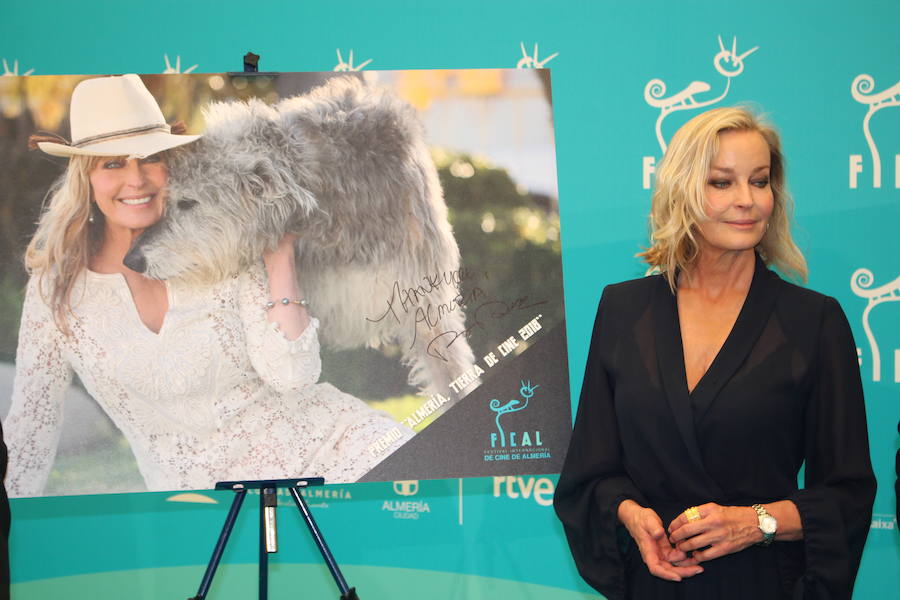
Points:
[(291, 316), (790, 527), (280, 260), (750, 522), (787, 520), (282, 273)]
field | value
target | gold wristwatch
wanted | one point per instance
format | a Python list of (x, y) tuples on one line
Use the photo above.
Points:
[(767, 524)]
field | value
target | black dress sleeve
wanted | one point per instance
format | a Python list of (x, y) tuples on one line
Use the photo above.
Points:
[(593, 481), (835, 505)]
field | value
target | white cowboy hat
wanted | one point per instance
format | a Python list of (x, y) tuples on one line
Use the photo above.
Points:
[(115, 116)]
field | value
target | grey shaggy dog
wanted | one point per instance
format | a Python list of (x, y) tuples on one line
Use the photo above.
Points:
[(345, 168)]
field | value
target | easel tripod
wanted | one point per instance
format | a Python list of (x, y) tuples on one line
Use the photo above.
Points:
[(267, 531)]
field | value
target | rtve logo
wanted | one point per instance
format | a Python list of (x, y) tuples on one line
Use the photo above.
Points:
[(539, 488)]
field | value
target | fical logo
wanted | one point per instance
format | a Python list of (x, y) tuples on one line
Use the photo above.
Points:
[(526, 392), (532, 61), (861, 283), (515, 445), (406, 488), (348, 66), (176, 68), (862, 90), (728, 62), (15, 69)]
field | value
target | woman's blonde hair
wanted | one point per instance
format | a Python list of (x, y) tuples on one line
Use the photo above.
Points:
[(65, 238), (680, 194)]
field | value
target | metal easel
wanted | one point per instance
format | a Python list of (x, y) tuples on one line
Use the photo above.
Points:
[(268, 536)]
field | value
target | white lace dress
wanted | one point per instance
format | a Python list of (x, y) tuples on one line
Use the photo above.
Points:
[(218, 394)]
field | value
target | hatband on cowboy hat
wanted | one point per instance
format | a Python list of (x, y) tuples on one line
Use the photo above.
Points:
[(116, 116)]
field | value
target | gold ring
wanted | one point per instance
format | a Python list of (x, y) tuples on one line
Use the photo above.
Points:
[(692, 514)]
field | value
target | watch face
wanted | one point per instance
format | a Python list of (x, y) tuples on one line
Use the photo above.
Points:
[(768, 524)]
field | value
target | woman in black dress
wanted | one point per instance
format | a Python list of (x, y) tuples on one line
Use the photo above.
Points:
[(708, 386)]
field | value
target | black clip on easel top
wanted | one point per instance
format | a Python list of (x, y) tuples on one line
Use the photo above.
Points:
[(268, 540)]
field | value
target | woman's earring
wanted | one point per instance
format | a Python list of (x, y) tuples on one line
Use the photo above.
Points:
[(91, 214)]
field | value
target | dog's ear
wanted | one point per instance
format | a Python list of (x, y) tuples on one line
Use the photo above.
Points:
[(272, 191), (260, 181)]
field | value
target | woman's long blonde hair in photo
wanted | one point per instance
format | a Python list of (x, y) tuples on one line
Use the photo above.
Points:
[(61, 247), (680, 194)]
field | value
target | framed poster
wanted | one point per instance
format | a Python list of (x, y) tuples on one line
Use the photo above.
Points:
[(422, 212)]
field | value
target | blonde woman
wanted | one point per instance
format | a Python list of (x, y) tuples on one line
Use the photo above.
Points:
[(707, 386), (206, 383)]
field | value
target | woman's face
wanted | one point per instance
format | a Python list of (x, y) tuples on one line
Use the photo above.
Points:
[(129, 192), (739, 199)]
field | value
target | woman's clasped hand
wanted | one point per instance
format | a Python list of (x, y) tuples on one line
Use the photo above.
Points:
[(661, 556), (720, 530), (676, 552)]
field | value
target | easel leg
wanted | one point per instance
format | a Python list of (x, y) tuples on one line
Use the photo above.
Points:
[(263, 551), (220, 544), (347, 593)]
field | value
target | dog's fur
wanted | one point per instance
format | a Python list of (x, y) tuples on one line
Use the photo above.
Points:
[(344, 167)]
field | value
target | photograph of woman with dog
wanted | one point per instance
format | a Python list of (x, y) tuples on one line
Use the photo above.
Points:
[(207, 383), (184, 283)]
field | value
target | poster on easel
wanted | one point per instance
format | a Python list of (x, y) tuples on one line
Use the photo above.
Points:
[(147, 342)]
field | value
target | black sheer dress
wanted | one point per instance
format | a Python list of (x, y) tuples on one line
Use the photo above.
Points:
[(784, 389)]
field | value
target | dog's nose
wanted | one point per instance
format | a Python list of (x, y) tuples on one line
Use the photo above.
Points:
[(135, 261)]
